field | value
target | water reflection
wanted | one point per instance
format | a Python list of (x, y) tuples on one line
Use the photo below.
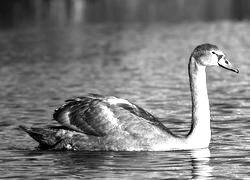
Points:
[(200, 164), (13, 12), (130, 165)]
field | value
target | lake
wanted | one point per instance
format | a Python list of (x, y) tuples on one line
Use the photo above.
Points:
[(145, 63)]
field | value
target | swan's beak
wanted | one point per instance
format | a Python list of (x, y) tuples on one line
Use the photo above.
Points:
[(223, 62)]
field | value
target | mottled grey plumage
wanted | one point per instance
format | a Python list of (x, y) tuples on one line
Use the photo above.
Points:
[(95, 117), (202, 50), (86, 114)]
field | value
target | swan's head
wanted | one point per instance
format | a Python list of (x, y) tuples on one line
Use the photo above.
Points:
[(210, 55)]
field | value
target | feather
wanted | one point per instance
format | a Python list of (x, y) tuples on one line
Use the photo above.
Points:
[(99, 115)]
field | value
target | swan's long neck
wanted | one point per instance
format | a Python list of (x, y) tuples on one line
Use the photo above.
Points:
[(200, 133)]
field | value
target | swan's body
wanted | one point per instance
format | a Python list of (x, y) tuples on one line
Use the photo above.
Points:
[(96, 122)]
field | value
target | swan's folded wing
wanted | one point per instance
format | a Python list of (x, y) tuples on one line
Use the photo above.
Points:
[(74, 114), (98, 115)]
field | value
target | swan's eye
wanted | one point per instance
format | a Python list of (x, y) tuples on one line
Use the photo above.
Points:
[(213, 52), (226, 62)]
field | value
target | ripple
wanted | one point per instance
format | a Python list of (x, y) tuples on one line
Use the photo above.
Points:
[(143, 63)]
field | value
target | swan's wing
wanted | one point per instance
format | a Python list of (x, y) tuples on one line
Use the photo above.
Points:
[(98, 115)]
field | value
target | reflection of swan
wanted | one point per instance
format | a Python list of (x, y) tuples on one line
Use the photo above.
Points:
[(96, 122), (200, 164)]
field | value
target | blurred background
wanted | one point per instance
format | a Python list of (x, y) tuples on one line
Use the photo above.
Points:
[(70, 12)]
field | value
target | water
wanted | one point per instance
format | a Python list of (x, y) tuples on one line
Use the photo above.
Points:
[(145, 63)]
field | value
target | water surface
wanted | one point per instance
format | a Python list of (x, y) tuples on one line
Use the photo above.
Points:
[(145, 63)]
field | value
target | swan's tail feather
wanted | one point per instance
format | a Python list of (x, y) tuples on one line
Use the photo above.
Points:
[(46, 137), (62, 138)]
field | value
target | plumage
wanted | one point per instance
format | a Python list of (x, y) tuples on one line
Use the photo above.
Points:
[(100, 118), (96, 115), (95, 122)]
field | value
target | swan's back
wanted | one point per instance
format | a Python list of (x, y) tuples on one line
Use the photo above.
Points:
[(96, 122), (99, 115)]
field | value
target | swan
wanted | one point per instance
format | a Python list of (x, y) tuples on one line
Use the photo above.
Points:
[(106, 123)]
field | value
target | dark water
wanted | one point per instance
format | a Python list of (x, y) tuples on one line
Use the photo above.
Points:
[(146, 63), (69, 12)]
